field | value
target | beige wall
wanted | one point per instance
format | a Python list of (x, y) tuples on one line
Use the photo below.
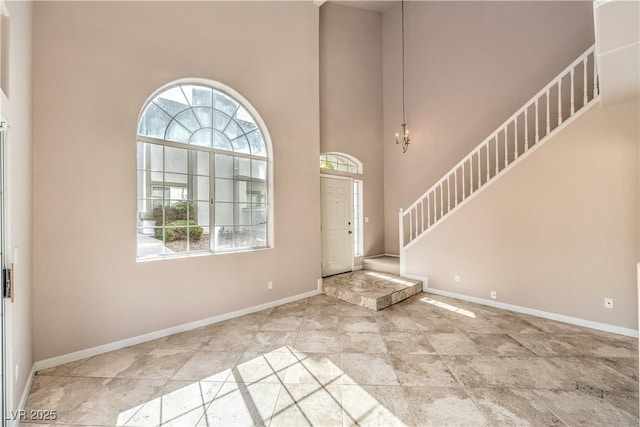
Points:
[(569, 243), (95, 64), (351, 103), (469, 66), (16, 110)]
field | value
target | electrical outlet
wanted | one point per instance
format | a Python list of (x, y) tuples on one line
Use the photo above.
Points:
[(269, 284), (494, 295), (456, 278), (608, 302), (366, 219)]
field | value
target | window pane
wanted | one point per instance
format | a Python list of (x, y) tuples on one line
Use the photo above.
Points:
[(188, 120), (200, 162), (224, 103), (224, 213), (257, 143), (241, 145), (221, 142), (199, 95), (223, 238), (242, 237), (220, 120), (148, 244), (243, 191), (224, 166), (176, 132), (202, 187), (233, 130), (203, 138), (150, 156), (172, 101), (243, 213), (204, 116), (242, 167), (259, 170), (259, 215), (224, 190), (259, 236), (153, 122), (245, 120), (175, 160), (203, 214), (258, 192)]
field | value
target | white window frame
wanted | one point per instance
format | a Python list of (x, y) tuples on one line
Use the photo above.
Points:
[(217, 86)]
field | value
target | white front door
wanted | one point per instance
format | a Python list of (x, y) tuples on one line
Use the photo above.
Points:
[(336, 197)]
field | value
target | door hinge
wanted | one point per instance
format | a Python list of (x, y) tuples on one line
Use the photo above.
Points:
[(7, 283)]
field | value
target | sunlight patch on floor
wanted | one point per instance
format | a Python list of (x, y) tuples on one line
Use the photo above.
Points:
[(284, 386), (449, 307)]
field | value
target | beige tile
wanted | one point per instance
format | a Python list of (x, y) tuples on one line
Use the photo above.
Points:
[(108, 364), (61, 393), (512, 407), (207, 365), (369, 369), (230, 340), (453, 344), (435, 324), (579, 408), (383, 406), (241, 404), (322, 299), (408, 342), (396, 323), (321, 310), (321, 341), (358, 324), (296, 308), (308, 404), (599, 346), (593, 373), (499, 345), (509, 372), (177, 403), (548, 345), (422, 370), (476, 325), (158, 364), (348, 309), (513, 324), (192, 340), (115, 403), (437, 406), (282, 323), (261, 367), (314, 368), (362, 342), (318, 322), (627, 366), (62, 370), (271, 340)]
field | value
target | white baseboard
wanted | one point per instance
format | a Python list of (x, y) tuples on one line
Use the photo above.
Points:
[(94, 351), (14, 421), (539, 313), (423, 279)]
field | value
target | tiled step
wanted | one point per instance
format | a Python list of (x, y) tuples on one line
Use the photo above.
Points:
[(370, 289), (383, 264)]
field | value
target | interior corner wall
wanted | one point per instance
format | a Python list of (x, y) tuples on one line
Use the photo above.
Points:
[(351, 103), (469, 66), (558, 232), (16, 110), (95, 65)]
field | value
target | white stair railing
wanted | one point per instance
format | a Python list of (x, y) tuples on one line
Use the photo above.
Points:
[(551, 108)]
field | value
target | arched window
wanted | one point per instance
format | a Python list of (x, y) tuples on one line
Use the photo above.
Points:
[(340, 162), (203, 173)]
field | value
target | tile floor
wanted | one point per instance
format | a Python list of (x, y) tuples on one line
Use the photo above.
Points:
[(428, 360)]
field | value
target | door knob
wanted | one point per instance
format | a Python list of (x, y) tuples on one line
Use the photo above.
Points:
[(350, 231)]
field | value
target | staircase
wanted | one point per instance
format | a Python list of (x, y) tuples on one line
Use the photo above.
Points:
[(554, 106)]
